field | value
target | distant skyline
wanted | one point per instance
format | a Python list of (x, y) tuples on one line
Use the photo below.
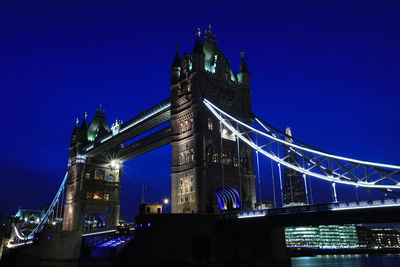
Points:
[(328, 69)]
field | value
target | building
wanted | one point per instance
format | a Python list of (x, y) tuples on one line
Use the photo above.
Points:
[(322, 237), (29, 216), (384, 237), (146, 208), (294, 191)]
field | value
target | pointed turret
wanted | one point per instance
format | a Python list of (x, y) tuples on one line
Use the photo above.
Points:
[(83, 129), (177, 60), (244, 74), (211, 50), (99, 121), (176, 67), (84, 122), (185, 66), (198, 54), (75, 133), (198, 46)]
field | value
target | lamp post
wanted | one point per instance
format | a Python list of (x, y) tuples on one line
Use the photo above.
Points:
[(166, 204)]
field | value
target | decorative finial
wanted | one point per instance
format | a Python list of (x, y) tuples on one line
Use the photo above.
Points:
[(198, 32), (242, 53), (209, 27), (77, 122), (177, 47), (85, 116), (101, 107)]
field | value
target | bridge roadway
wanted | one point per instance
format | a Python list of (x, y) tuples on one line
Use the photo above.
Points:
[(356, 212)]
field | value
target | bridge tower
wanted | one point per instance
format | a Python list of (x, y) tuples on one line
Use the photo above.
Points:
[(93, 189), (208, 175)]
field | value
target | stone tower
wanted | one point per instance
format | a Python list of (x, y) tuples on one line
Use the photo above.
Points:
[(295, 193), (208, 176), (93, 189)]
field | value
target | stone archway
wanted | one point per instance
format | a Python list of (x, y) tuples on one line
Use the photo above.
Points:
[(94, 220)]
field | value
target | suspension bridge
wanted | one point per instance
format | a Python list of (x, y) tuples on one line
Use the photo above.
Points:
[(217, 148)]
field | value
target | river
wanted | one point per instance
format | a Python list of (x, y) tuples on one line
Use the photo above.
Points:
[(357, 260)]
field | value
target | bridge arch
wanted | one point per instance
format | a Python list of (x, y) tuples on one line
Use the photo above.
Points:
[(228, 198), (94, 220)]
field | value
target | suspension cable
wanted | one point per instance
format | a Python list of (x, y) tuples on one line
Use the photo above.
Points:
[(280, 178), (311, 193), (240, 173), (258, 172), (221, 158), (273, 183)]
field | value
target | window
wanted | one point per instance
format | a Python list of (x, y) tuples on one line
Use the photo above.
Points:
[(88, 195), (158, 210), (100, 174), (210, 124), (106, 197), (87, 175), (148, 209), (97, 195), (110, 178), (226, 134)]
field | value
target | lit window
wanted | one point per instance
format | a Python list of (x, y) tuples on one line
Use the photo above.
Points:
[(87, 175), (110, 178), (210, 124), (106, 197), (226, 134), (88, 195), (97, 195)]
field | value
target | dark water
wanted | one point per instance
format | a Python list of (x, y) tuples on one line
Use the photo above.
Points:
[(392, 260)]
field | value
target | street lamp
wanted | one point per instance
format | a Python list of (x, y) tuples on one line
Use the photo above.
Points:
[(114, 164), (166, 201)]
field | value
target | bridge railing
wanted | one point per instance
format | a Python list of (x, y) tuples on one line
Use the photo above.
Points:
[(362, 204)]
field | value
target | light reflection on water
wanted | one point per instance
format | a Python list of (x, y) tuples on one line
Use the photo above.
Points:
[(348, 261)]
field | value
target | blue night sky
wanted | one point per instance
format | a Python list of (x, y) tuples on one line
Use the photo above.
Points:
[(328, 69)]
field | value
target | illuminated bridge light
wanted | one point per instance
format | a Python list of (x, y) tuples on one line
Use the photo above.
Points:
[(332, 174), (252, 214)]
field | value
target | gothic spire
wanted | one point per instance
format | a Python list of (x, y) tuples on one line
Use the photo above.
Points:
[(84, 122), (177, 62), (198, 46), (243, 66)]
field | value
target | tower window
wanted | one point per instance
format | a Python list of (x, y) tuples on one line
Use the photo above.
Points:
[(210, 124), (100, 174), (97, 195), (87, 175)]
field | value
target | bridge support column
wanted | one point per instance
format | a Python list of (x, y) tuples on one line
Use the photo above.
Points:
[(205, 240)]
